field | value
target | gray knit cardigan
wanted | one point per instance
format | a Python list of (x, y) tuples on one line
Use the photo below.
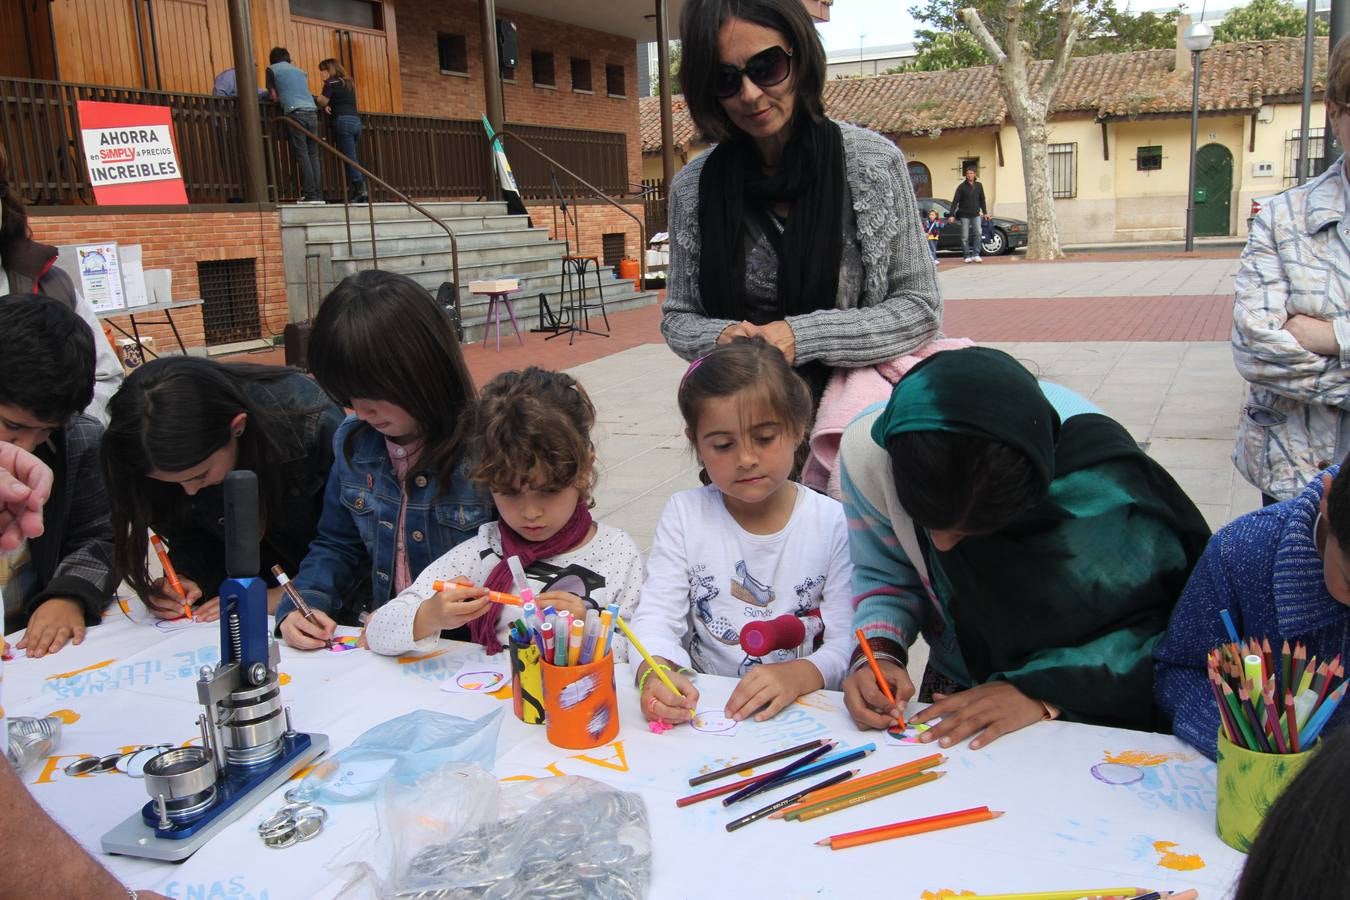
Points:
[(899, 306)]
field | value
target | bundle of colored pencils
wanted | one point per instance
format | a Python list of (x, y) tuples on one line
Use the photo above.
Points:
[(1274, 701)]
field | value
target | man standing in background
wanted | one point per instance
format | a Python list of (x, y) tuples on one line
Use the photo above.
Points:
[(968, 205)]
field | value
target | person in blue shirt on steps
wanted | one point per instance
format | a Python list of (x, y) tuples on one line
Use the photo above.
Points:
[(289, 86)]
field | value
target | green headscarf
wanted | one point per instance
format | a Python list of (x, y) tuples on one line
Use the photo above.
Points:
[(979, 392), (1067, 600)]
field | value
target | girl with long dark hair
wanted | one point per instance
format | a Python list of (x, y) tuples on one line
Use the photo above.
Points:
[(177, 427)]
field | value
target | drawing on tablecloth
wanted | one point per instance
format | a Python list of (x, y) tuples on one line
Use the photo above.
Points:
[(1177, 862), (712, 721)]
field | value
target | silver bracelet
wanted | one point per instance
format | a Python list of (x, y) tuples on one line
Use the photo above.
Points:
[(861, 661), (132, 895)]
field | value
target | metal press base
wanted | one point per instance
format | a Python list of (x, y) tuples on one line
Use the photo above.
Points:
[(239, 793)]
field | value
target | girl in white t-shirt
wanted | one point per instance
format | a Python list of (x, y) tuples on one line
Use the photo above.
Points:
[(751, 547)]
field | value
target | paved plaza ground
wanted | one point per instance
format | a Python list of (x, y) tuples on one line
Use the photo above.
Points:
[(1144, 337)]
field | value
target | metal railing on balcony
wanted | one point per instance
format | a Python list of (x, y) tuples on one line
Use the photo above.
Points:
[(420, 156)]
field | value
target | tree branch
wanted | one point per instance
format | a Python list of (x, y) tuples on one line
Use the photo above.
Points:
[(1017, 48), (1064, 41), (971, 17)]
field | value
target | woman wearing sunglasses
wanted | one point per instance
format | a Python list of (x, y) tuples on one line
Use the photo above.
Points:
[(796, 228)]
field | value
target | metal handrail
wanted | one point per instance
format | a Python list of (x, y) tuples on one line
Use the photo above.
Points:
[(642, 228), (370, 207)]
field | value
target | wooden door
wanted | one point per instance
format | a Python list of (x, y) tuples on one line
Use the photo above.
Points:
[(187, 47), (364, 54), (1213, 190), (97, 42), (25, 40)]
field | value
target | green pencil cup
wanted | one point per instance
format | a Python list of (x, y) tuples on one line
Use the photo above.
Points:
[(1249, 783)]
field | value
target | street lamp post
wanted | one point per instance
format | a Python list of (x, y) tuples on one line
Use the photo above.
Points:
[(1197, 39)]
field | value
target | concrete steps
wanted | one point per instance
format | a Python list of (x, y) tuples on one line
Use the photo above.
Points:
[(491, 243)]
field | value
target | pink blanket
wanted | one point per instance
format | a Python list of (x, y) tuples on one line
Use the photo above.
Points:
[(848, 393)]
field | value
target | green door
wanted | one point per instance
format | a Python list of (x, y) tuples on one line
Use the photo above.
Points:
[(1213, 190)]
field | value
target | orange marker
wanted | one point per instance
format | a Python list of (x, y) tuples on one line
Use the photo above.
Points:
[(905, 829), (876, 673), (170, 575), (495, 596)]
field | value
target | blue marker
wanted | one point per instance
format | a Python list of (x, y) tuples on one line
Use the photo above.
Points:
[(613, 618), (561, 629)]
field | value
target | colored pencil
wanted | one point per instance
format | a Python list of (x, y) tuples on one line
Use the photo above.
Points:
[(876, 673), (1286, 665), (834, 760), (646, 657), (1228, 625), (1291, 722), (1249, 739), (1062, 895), (1245, 700), (1273, 719), (1320, 718), (885, 776), (787, 801), (1267, 659), (770, 780), (1296, 668), (816, 810), (751, 763), (908, 828), (1229, 726)]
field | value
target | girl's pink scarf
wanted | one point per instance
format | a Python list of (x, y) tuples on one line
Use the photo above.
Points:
[(483, 630)]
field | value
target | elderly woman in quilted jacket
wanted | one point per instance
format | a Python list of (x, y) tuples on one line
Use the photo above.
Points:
[(1291, 322)]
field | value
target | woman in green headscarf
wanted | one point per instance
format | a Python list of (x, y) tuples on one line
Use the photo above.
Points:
[(1037, 549)]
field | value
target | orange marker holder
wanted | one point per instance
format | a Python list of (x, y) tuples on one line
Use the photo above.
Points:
[(581, 706)]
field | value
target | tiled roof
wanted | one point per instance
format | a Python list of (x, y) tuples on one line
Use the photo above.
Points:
[(1233, 78)]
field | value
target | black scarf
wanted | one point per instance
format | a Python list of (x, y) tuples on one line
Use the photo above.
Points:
[(810, 176)]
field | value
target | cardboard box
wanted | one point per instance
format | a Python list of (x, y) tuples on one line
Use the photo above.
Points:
[(494, 286)]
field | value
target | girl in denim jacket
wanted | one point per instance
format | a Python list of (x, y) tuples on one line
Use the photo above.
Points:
[(398, 495)]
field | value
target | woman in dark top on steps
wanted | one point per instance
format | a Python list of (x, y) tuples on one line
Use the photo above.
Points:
[(339, 99)]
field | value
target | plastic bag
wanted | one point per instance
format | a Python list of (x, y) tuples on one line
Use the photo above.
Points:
[(402, 750), (461, 833), (31, 739)]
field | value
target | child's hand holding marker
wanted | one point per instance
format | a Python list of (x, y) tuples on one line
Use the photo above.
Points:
[(659, 702), (165, 603), (562, 601), (308, 634), (769, 688), (451, 607), (868, 704)]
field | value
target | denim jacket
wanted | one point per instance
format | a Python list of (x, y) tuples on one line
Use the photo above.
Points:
[(303, 420), (360, 513)]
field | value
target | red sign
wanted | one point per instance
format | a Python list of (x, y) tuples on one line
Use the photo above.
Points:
[(130, 154)]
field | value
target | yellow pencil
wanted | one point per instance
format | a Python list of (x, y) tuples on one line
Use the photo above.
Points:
[(823, 809), (647, 657), (1065, 895)]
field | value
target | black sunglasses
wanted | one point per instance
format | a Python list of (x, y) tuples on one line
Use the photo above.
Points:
[(765, 69)]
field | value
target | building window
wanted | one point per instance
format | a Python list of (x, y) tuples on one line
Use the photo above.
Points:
[(1148, 159), (1063, 170), (581, 74), (453, 53), (1291, 158), (968, 162), (361, 13), (612, 247), (614, 81), (541, 65), (229, 289)]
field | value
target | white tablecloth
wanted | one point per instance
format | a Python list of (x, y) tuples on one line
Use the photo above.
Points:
[(1065, 826)]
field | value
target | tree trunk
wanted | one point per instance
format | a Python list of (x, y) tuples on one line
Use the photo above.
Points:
[(1042, 226)]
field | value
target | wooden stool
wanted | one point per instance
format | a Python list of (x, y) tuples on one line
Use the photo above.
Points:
[(499, 294)]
